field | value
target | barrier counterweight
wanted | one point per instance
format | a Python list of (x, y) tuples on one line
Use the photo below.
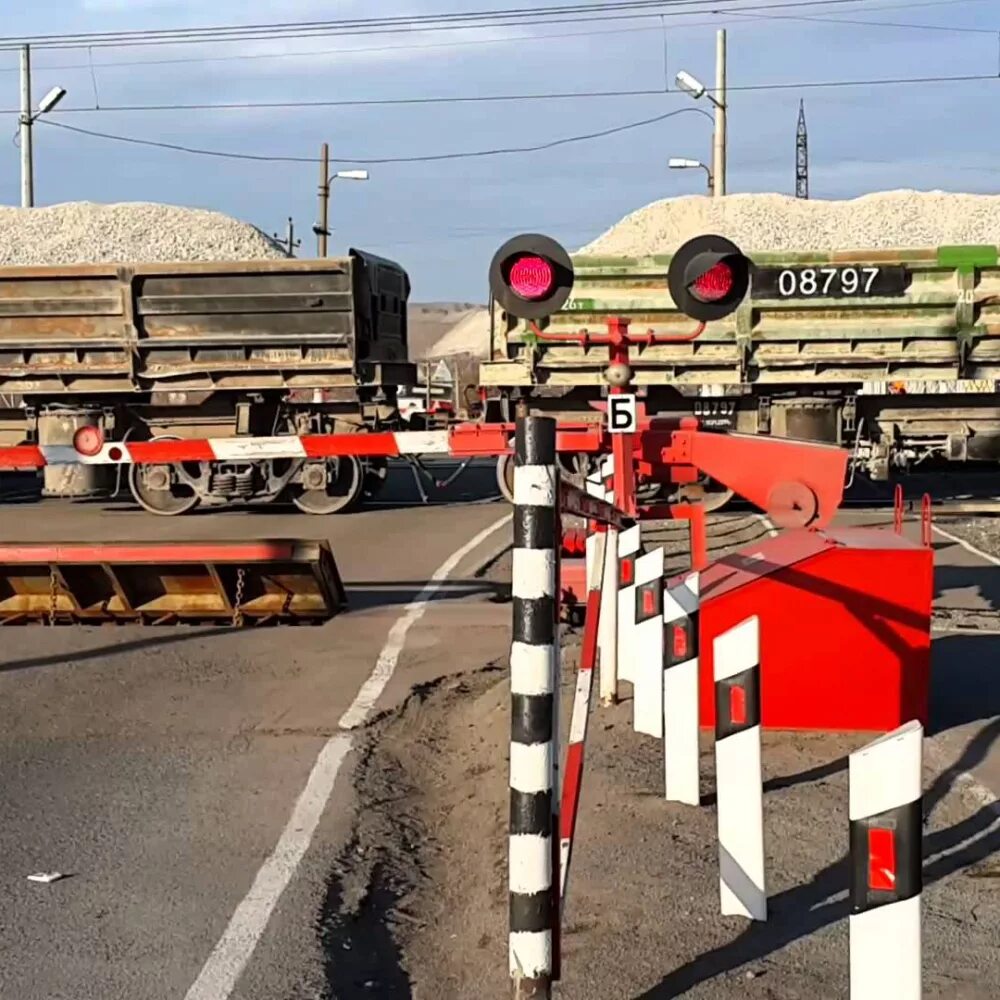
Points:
[(534, 688), (885, 813)]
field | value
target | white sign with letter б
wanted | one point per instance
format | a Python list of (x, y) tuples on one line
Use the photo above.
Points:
[(622, 417)]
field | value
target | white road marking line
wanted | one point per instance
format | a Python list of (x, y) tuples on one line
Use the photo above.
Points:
[(968, 546), (229, 958)]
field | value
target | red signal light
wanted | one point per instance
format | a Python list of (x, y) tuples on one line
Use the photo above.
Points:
[(532, 277), (715, 284)]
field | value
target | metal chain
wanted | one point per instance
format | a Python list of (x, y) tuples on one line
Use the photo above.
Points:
[(237, 609), (52, 596)]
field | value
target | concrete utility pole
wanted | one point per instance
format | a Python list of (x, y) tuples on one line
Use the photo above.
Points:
[(323, 229), (719, 140), (695, 88), (27, 166)]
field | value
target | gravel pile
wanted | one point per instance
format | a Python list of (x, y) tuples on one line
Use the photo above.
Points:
[(887, 219), (132, 232)]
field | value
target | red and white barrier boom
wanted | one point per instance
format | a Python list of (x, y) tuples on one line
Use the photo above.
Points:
[(886, 823)]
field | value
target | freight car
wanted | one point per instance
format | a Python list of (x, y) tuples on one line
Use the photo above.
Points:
[(158, 351), (892, 354)]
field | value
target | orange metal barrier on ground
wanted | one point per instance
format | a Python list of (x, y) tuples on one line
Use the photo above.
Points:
[(269, 581)]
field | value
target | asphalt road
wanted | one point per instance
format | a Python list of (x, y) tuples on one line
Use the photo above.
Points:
[(158, 767)]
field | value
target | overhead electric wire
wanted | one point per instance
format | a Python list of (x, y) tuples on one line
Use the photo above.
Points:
[(375, 160), (514, 98), (511, 17)]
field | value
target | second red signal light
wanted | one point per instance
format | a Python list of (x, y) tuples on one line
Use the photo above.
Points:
[(708, 277)]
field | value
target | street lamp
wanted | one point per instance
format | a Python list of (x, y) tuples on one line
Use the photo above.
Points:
[(28, 118), (681, 163), (693, 86), (322, 228)]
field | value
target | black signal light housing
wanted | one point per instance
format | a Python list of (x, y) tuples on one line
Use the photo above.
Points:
[(531, 276), (709, 277)]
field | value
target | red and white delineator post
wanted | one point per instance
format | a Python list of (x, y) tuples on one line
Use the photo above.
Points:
[(739, 783), (886, 825), (629, 549), (681, 715)]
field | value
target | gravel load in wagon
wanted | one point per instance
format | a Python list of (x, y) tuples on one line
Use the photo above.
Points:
[(881, 221), (131, 232)]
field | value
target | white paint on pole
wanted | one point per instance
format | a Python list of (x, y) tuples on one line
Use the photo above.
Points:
[(739, 782), (742, 886), (629, 544), (647, 641), (886, 952), (886, 772)]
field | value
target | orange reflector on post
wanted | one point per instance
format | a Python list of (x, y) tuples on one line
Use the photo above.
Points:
[(882, 859), (679, 641), (737, 705), (648, 602)]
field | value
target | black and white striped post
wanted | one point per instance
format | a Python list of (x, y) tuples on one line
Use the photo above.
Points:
[(739, 783), (534, 751), (680, 692), (885, 813)]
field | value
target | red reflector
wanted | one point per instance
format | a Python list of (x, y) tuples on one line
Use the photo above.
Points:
[(648, 602), (532, 278), (882, 860), (715, 284), (738, 706), (88, 440), (679, 641), (625, 575)]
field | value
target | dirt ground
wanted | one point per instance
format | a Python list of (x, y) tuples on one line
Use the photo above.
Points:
[(429, 864)]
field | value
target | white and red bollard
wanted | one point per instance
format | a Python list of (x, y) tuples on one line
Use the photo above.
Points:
[(739, 783), (680, 692), (629, 546), (886, 836), (647, 645)]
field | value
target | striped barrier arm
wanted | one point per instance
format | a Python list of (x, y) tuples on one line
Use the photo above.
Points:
[(575, 748), (886, 825), (739, 785), (680, 692), (534, 688)]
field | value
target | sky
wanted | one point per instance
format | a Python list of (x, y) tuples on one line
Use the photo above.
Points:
[(444, 219)]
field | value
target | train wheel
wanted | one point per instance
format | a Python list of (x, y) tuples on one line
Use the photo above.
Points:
[(345, 479), (153, 490)]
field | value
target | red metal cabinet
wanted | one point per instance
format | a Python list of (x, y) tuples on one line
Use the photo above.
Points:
[(844, 627)]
